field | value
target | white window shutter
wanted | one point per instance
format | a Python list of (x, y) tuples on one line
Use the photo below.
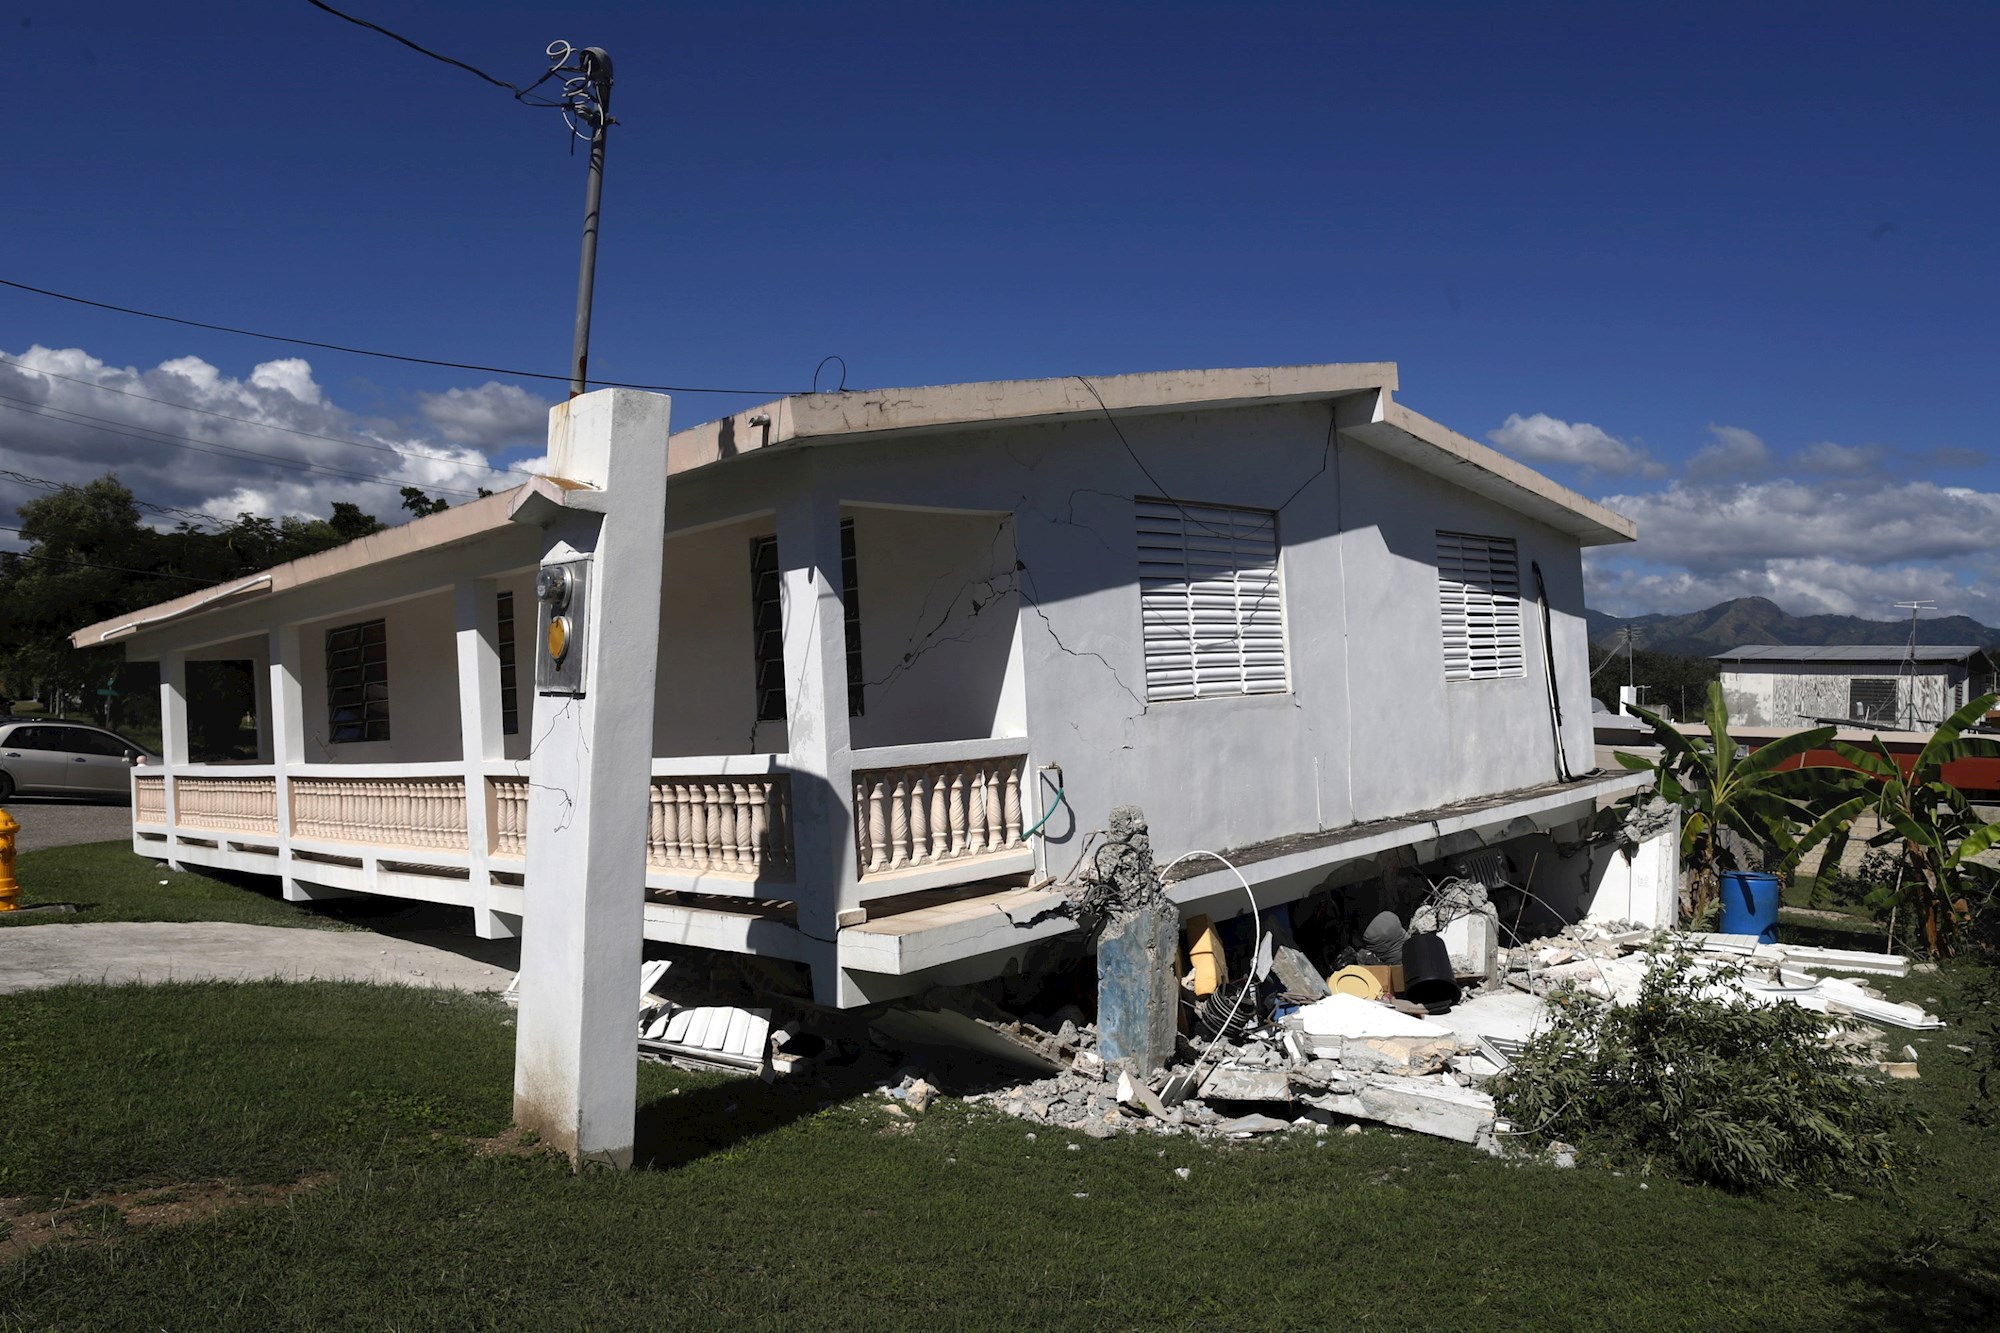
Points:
[(1210, 601), (1479, 603)]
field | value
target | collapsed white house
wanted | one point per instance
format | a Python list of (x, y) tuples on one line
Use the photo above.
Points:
[(847, 681)]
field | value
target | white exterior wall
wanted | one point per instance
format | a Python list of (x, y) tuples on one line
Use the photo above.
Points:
[(423, 683), (706, 700), (1370, 727), (1794, 694), (918, 571)]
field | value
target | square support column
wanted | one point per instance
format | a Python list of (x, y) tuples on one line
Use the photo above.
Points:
[(477, 607), (288, 747), (576, 1044), (173, 739), (816, 723)]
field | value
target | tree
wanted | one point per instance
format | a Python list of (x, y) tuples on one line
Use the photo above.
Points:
[(1939, 830), (91, 558), (1719, 792), (421, 505)]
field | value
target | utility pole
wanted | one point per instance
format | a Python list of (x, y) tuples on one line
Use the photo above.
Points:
[(588, 99)]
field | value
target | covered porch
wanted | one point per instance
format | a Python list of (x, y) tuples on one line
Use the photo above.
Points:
[(396, 720)]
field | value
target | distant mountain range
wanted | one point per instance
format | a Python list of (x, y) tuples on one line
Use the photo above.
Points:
[(1759, 620)]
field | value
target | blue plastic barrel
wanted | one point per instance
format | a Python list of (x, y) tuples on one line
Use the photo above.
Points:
[(1750, 904)]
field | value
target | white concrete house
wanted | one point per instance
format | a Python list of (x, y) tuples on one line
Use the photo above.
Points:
[(1898, 688), (851, 677)]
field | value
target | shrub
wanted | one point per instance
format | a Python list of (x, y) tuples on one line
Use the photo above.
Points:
[(1694, 1079)]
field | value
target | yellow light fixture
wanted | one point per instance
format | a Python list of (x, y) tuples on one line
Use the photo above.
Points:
[(558, 637)]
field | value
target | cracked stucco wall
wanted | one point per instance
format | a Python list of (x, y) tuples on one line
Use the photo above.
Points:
[(1370, 728)]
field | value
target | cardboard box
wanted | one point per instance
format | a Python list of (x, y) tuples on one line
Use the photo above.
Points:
[(1390, 977)]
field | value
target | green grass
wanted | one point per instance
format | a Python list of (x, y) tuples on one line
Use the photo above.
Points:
[(810, 1206), (108, 883)]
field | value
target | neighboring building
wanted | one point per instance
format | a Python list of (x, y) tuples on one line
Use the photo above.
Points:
[(913, 647), (1883, 688)]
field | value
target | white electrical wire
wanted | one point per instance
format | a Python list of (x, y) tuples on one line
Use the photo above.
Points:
[(1257, 935)]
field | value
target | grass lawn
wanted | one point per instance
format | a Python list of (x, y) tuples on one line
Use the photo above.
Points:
[(813, 1206), (108, 883)]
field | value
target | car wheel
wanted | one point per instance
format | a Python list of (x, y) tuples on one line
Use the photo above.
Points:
[(6, 785)]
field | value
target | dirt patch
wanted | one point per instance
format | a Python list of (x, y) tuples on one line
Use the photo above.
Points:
[(28, 1224)]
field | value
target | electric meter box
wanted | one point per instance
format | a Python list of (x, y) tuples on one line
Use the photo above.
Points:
[(562, 594)]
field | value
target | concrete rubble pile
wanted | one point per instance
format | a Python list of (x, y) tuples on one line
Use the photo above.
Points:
[(1400, 1021)]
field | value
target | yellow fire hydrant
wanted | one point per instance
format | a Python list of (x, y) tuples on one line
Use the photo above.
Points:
[(10, 888)]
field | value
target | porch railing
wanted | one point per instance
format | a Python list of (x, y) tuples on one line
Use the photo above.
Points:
[(508, 819), (391, 812), (245, 805), (149, 798), (741, 825), (932, 814)]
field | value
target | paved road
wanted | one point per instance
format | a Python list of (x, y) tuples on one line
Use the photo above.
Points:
[(117, 952), (47, 823)]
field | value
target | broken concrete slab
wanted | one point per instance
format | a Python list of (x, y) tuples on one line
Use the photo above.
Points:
[(1435, 1106), (1234, 1083), (1297, 974), (1246, 1125), (1397, 1055)]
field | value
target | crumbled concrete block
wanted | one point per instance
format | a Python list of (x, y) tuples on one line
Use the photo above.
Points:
[(918, 1096), (1297, 974), (1253, 1124), (1139, 1097), (1234, 1083), (1397, 1055), (1138, 989)]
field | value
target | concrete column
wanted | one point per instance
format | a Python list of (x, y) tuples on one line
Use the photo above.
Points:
[(576, 1046), (267, 736), (288, 747), (821, 752), (173, 738), (480, 739)]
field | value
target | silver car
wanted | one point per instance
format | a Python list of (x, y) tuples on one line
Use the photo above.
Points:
[(65, 759)]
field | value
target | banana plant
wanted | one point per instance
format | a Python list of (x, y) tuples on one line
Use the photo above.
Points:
[(1940, 831), (1751, 795)]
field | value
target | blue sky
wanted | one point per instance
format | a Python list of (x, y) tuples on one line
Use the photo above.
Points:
[(1733, 268)]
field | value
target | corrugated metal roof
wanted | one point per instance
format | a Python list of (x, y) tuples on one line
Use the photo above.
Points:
[(1773, 652)]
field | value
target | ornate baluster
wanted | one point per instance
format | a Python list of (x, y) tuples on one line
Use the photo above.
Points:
[(975, 810), (920, 824), (957, 811), (1013, 838), (878, 826), (760, 826), (899, 823), (734, 824), (996, 804)]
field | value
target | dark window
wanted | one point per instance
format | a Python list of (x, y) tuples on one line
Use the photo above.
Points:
[(77, 740), (850, 603), (767, 624), (510, 699), (357, 682), (1872, 701), (34, 738)]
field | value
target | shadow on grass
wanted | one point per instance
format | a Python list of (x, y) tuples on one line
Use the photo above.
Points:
[(1932, 1285)]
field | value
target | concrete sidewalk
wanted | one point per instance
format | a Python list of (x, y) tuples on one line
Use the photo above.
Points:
[(118, 952)]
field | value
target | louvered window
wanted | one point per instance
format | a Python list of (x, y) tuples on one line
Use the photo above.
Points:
[(767, 621), (1479, 600), (357, 682), (1210, 601)]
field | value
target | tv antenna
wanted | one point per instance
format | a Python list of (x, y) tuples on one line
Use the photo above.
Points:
[(1907, 685)]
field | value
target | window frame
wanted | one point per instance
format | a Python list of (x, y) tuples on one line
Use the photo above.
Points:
[(767, 620), (1492, 605), (373, 719), (504, 649), (1169, 533)]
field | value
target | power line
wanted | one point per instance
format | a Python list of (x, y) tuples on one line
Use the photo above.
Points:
[(251, 421), (520, 94), (50, 484), (176, 441), (383, 356), (86, 564)]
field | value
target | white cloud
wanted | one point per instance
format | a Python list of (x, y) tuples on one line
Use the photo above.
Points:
[(492, 416), (1542, 438), (1731, 451), (271, 442)]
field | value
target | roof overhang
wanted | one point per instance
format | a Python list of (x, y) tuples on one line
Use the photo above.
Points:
[(1430, 447), (826, 417), (449, 527)]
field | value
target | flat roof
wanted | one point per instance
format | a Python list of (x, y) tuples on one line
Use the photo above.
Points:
[(825, 418), (1924, 652)]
